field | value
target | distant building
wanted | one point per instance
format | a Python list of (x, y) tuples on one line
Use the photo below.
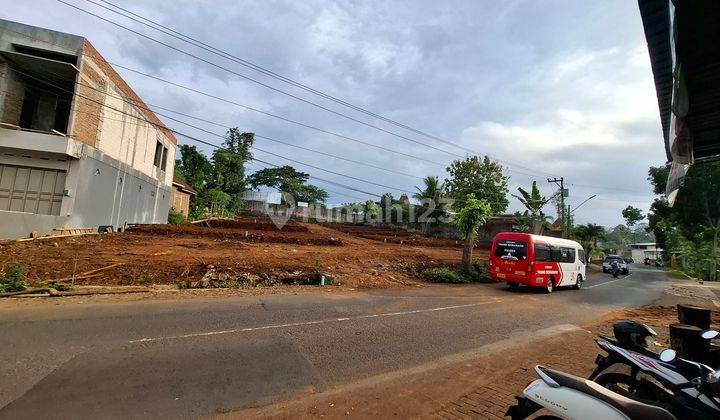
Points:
[(638, 252), (182, 193), (78, 147)]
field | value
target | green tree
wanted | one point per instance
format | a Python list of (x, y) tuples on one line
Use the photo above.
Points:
[(391, 209), (284, 178), (431, 197), (217, 201), (694, 218), (310, 194), (616, 238), (588, 235), (194, 167), (372, 211), (632, 215), (229, 166), (524, 221), (481, 179), (288, 179), (470, 217), (534, 203)]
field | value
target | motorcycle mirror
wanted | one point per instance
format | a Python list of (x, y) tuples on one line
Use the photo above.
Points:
[(668, 355), (710, 334)]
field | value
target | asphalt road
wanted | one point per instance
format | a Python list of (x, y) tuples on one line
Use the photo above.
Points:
[(203, 356)]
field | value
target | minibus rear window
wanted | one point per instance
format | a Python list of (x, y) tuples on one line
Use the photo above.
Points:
[(512, 250)]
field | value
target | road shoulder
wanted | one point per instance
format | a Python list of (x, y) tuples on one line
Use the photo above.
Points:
[(478, 384)]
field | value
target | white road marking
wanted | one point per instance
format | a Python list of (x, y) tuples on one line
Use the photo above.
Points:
[(304, 323), (608, 282)]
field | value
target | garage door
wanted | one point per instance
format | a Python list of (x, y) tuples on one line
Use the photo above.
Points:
[(31, 190)]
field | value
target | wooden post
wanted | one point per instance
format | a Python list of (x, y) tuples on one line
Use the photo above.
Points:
[(694, 315), (686, 340)]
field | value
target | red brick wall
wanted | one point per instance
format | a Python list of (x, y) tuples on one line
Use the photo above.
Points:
[(14, 92), (89, 52), (88, 108), (180, 201)]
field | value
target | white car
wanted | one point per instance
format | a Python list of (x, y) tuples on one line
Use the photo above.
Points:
[(607, 264)]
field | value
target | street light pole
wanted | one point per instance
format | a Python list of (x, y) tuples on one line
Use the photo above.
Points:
[(561, 182), (586, 200)]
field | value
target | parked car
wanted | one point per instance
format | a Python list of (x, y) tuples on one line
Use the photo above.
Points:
[(606, 265)]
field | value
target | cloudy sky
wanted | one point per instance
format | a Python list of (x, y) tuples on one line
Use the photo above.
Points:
[(558, 87)]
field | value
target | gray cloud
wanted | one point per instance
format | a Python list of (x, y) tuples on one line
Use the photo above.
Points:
[(561, 86)]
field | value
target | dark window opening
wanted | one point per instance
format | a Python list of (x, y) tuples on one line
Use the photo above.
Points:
[(158, 154), (511, 250), (29, 108), (163, 161), (44, 108)]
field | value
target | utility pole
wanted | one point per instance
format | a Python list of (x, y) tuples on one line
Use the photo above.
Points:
[(561, 182), (567, 224)]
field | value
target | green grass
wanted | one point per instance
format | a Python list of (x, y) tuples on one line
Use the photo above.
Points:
[(676, 274), (443, 275), (12, 279)]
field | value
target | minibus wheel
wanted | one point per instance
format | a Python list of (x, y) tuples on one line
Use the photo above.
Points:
[(579, 282), (513, 285), (550, 285)]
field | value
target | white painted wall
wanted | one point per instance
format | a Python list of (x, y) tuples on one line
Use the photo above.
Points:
[(128, 139)]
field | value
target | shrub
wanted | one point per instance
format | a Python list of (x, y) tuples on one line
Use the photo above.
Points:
[(443, 275), (175, 218), (11, 279), (480, 271)]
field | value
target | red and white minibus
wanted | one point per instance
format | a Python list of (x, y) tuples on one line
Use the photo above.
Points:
[(538, 261)]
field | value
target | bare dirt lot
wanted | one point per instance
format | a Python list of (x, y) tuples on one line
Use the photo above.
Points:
[(167, 254), (397, 236)]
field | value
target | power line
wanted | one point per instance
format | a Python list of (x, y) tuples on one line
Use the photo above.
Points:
[(531, 176), (189, 54), (220, 136), (273, 88), (200, 44), (291, 145), (609, 188), (288, 120), (214, 50), (208, 132), (288, 144), (260, 111)]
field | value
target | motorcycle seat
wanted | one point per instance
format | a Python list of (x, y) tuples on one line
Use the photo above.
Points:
[(631, 408)]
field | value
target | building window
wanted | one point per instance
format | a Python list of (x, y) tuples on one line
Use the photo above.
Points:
[(163, 162), (158, 153)]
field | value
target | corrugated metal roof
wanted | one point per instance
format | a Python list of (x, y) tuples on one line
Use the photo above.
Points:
[(697, 46)]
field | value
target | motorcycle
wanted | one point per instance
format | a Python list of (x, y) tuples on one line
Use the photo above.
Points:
[(657, 386), (615, 267), (573, 397)]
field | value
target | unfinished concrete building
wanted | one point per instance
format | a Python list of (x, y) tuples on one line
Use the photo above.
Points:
[(78, 147)]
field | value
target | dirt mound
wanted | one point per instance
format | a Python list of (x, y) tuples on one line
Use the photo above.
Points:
[(253, 223), (166, 254), (396, 236), (254, 232)]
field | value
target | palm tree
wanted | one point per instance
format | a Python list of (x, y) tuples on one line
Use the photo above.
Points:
[(431, 196), (534, 203), (589, 235)]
